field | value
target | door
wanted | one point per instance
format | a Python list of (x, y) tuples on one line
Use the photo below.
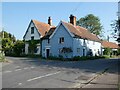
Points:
[(83, 52), (47, 52)]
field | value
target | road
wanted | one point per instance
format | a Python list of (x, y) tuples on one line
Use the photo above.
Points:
[(36, 73)]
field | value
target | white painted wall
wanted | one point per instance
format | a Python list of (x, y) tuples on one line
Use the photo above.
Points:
[(28, 34), (95, 46), (54, 44), (77, 43)]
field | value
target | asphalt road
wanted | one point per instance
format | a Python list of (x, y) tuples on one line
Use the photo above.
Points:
[(36, 73)]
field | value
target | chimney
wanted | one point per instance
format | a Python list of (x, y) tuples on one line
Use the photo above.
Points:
[(72, 20), (49, 21)]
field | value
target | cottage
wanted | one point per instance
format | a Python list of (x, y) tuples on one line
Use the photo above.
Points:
[(35, 31), (68, 40), (111, 45)]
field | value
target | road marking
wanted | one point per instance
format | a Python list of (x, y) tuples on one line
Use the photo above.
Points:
[(19, 83), (26, 68), (7, 71), (32, 67), (17, 66), (43, 76), (18, 69)]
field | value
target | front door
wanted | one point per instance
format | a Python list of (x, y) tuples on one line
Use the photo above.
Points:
[(83, 52), (47, 52)]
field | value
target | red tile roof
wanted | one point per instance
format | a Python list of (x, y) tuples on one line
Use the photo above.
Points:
[(41, 27), (81, 32), (107, 44)]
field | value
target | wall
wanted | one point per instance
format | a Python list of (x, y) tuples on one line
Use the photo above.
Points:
[(54, 44), (28, 34)]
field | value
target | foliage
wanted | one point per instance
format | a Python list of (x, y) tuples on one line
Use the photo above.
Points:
[(4, 34), (2, 57), (92, 23), (18, 48), (118, 51), (7, 45), (107, 51), (32, 45), (77, 58), (115, 28)]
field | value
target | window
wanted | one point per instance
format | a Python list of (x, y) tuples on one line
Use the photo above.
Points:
[(36, 49), (78, 50), (61, 40), (48, 41), (32, 38), (88, 41), (93, 42), (32, 30)]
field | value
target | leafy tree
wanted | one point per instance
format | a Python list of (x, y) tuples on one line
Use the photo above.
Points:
[(18, 48), (7, 40), (107, 51), (115, 30), (92, 23), (7, 45), (32, 45)]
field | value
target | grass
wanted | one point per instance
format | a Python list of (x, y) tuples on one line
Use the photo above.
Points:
[(2, 57)]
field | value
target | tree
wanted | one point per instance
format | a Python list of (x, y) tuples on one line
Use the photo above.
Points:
[(92, 23), (115, 30), (32, 45), (18, 48), (7, 45), (7, 40), (107, 51)]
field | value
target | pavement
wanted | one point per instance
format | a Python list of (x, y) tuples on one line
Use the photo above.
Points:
[(36, 73)]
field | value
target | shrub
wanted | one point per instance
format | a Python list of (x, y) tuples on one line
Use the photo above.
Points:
[(107, 51)]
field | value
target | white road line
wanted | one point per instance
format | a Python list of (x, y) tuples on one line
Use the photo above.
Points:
[(19, 83), (43, 76), (26, 68), (32, 67), (17, 66), (18, 69), (7, 71)]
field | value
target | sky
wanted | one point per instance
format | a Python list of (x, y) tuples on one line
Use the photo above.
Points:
[(16, 16)]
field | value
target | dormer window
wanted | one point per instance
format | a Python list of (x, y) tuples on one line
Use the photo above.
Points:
[(32, 38), (61, 40), (32, 30)]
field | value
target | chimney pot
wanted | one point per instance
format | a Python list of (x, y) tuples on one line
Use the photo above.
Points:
[(49, 21), (72, 20)]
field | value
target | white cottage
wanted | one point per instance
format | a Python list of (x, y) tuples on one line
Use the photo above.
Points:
[(68, 40), (35, 31)]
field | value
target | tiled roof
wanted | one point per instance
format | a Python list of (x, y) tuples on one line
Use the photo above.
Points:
[(107, 44), (81, 32), (42, 28), (47, 35)]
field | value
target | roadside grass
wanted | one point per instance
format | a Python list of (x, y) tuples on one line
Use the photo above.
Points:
[(76, 58), (2, 57)]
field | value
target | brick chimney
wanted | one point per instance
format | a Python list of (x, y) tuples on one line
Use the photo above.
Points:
[(72, 20), (49, 21)]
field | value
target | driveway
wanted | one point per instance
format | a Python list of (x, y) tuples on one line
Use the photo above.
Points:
[(36, 73)]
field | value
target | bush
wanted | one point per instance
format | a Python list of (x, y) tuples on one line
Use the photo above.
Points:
[(77, 58), (107, 51), (55, 58)]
